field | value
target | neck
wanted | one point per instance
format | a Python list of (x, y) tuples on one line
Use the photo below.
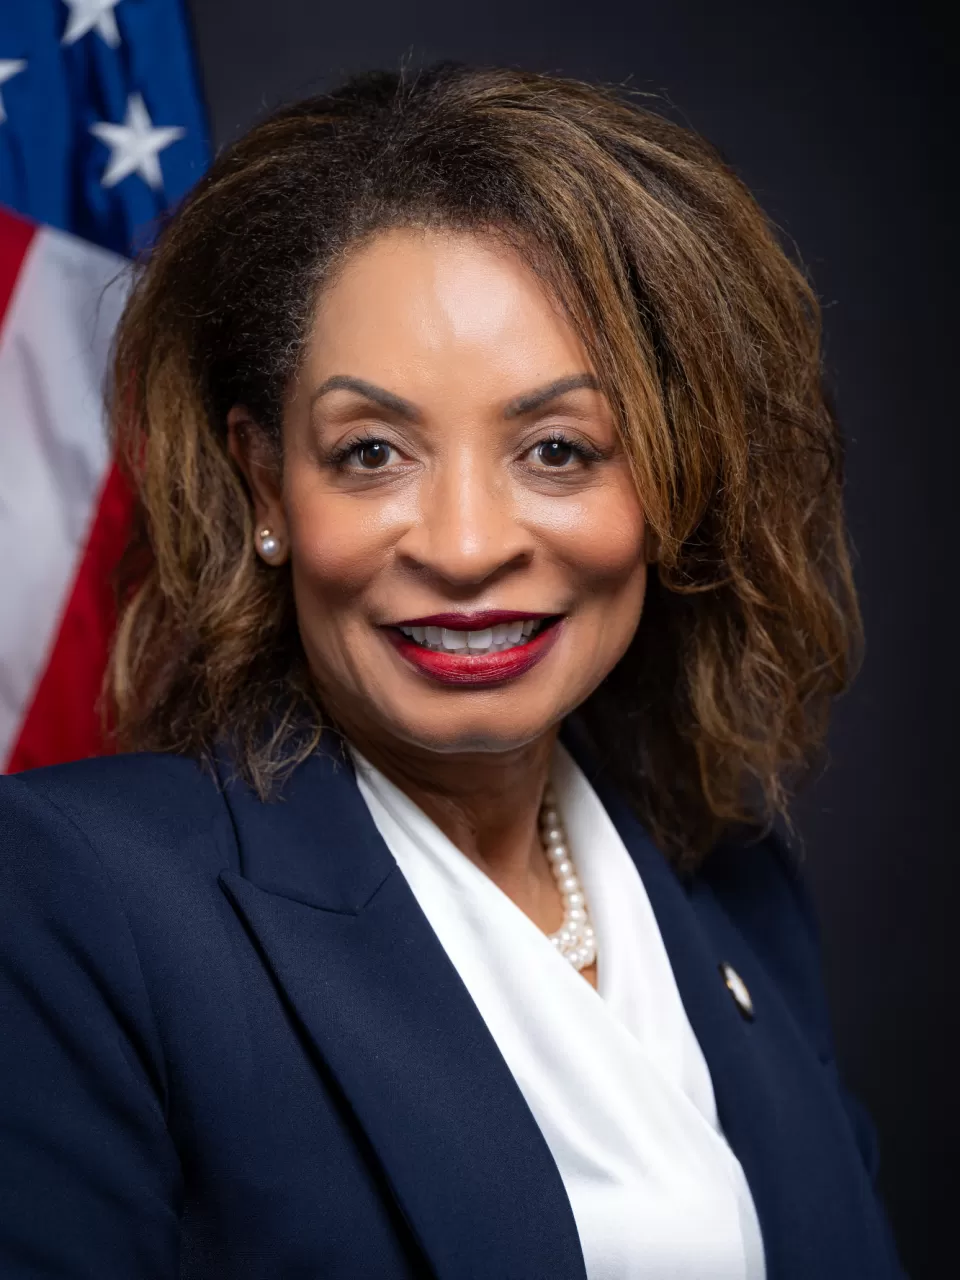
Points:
[(486, 803)]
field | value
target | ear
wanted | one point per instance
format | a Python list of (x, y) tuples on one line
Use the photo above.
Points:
[(257, 460)]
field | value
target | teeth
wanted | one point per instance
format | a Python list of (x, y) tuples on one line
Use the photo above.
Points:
[(505, 635)]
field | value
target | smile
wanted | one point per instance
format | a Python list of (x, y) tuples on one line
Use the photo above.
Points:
[(495, 639), (475, 649)]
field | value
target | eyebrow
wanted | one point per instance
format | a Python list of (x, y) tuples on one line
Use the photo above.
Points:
[(369, 391), (552, 391), (526, 403)]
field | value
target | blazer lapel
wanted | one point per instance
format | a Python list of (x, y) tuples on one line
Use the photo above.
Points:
[(777, 1106), (390, 1018)]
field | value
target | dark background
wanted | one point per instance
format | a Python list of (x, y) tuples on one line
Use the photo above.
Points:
[(836, 115)]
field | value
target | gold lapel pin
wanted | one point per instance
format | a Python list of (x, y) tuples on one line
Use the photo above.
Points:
[(738, 989)]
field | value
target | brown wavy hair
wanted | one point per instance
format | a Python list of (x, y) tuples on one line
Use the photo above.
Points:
[(705, 336)]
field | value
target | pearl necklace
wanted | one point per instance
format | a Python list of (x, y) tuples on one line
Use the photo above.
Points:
[(575, 939)]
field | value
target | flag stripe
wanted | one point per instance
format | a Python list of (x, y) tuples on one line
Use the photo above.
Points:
[(79, 111), (63, 722), (54, 344), (16, 235)]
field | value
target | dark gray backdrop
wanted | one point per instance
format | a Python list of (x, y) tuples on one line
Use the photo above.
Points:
[(836, 116)]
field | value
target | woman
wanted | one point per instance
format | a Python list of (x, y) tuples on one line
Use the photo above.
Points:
[(492, 591)]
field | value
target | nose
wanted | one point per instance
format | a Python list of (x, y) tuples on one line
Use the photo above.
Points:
[(468, 528)]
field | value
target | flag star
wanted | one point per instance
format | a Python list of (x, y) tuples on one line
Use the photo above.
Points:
[(87, 14), (9, 67), (135, 145)]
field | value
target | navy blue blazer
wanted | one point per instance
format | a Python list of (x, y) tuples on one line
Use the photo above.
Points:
[(232, 1046)]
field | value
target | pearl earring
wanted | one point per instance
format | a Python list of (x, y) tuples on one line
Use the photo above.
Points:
[(269, 543)]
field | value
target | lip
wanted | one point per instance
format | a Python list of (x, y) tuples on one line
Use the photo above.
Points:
[(471, 621), (476, 669)]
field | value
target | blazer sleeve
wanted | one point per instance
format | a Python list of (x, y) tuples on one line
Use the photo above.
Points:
[(90, 1181), (801, 978)]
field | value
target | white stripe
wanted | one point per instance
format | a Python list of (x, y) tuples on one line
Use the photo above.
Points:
[(54, 344)]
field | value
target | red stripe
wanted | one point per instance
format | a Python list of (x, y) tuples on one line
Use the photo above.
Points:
[(63, 721), (16, 236)]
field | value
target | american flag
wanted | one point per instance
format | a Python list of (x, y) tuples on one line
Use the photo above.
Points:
[(102, 128)]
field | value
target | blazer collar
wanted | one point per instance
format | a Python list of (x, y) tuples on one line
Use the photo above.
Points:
[(382, 1005), (378, 999), (315, 842)]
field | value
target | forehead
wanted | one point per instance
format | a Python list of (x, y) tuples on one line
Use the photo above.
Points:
[(417, 304)]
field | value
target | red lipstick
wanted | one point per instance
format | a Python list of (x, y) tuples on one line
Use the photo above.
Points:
[(471, 621), (474, 669)]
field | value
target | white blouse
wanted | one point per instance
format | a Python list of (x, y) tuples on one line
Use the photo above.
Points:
[(614, 1077)]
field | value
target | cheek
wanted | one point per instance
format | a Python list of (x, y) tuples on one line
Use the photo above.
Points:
[(338, 549), (339, 543), (334, 559), (604, 550), (601, 538)]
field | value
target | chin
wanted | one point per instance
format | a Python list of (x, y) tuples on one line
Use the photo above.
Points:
[(475, 730)]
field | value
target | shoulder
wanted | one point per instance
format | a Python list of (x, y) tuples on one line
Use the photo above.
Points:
[(760, 886), (129, 817), (145, 782), (760, 880), (151, 790), (108, 904)]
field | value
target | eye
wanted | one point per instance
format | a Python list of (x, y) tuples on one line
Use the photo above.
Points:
[(560, 453), (555, 453), (372, 454), (369, 453)]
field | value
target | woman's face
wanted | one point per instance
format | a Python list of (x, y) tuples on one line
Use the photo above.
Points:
[(467, 544)]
